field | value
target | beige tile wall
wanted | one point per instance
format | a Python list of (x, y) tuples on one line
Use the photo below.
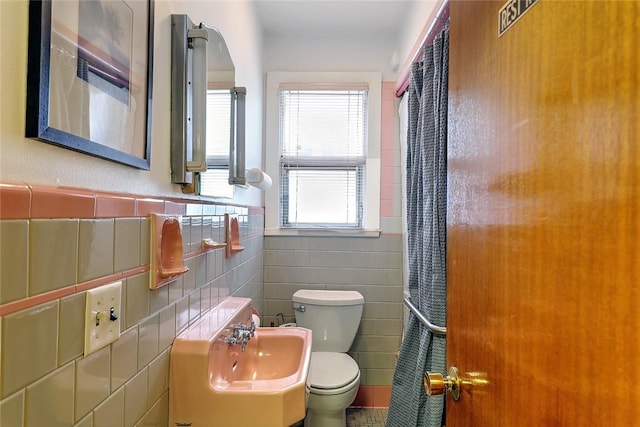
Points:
[(372, 266), (44, 378), (14, 234)]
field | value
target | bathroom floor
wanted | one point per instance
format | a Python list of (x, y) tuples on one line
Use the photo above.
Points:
[(366, 417), (362, 417)]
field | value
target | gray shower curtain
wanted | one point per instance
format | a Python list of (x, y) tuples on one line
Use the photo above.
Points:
[(421, 350)]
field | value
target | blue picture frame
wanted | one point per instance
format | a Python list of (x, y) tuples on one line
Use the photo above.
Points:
[(89, 77)]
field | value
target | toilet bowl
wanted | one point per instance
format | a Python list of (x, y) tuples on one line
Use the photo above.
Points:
[(334, 381), (334, 377)]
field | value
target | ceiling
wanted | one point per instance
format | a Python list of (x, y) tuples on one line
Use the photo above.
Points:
[(336, 17)]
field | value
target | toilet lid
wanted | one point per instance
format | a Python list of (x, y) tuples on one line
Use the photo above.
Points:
[(331, 370)]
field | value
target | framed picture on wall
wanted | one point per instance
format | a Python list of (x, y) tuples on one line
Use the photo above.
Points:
[(89, 77)]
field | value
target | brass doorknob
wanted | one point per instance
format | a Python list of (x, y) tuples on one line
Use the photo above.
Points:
[(435, 383)]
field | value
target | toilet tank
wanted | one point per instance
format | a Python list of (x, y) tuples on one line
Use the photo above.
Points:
[(332, 316)]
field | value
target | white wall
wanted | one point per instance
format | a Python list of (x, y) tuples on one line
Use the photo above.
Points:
[(32, 161), (365, 52), (420, 12), (409, 37), (330, 53)]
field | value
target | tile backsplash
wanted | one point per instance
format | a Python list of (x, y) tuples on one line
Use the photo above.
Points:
[(371, 266), (47, 263)]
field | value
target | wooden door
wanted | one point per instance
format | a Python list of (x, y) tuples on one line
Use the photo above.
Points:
[(543, 214)]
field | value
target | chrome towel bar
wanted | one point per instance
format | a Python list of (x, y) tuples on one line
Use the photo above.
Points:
[(439, 330)]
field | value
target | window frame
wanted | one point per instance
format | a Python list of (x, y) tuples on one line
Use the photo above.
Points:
[(371, 173)]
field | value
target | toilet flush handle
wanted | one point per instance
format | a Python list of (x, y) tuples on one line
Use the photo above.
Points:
[(301, 308)]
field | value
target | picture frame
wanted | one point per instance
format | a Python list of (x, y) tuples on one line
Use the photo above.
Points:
[(89, 77)]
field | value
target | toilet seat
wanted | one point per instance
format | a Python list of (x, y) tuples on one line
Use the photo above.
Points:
[(332, 373)]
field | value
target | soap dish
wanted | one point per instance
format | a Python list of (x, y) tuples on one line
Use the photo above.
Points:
[(232, 232), (167, 255)]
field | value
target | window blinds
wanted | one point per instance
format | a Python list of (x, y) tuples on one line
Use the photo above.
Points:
[(218, 123), (323, 135), (214, 182)]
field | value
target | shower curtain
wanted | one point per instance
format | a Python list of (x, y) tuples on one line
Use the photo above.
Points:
[(421, 350)]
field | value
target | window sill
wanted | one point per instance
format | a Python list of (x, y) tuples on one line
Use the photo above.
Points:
[(304, 232)]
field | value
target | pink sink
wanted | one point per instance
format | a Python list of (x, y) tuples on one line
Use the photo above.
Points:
[(214, 383), (272, 358)]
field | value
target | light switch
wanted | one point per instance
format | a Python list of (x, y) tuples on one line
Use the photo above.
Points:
[(102, 316)]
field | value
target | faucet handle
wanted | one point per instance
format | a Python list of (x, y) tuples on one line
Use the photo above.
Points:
[(238, 326), (229, 337), (243, 333)]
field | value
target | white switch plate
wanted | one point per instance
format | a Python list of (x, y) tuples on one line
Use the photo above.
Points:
[(102, 316)]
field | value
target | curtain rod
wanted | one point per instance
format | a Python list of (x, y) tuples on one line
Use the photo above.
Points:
[(433, 25)]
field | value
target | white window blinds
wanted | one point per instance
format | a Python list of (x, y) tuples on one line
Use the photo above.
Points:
[(218, 123), (214, 182), (323, 143)]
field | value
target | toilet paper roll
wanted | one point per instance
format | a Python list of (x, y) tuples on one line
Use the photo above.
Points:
[(257, 178), (256, 320)]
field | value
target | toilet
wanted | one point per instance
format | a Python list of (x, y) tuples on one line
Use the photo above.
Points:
[(334, 377)]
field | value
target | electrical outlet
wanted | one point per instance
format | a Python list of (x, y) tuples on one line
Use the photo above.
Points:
[(102, 317)]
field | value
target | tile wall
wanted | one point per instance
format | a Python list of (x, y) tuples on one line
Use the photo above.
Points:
[(371, 266), (55, 244)]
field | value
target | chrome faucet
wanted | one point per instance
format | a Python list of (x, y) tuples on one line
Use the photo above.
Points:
[(239, 333)]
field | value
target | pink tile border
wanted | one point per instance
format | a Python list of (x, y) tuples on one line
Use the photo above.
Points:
[(381, 396), (80, 287), (114, 206), (364, 398), (61, 202), (387, 158), (144, 207), (24, 201), (388, 125), (15, 201), (388, 90), (386, 191), (12, 307), (372, 396)]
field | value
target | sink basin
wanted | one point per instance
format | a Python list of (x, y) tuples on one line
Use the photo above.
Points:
[(214, 383), (271, 359)]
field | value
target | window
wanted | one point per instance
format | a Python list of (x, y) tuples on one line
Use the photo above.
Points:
[(323, 140), (215, 181)]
